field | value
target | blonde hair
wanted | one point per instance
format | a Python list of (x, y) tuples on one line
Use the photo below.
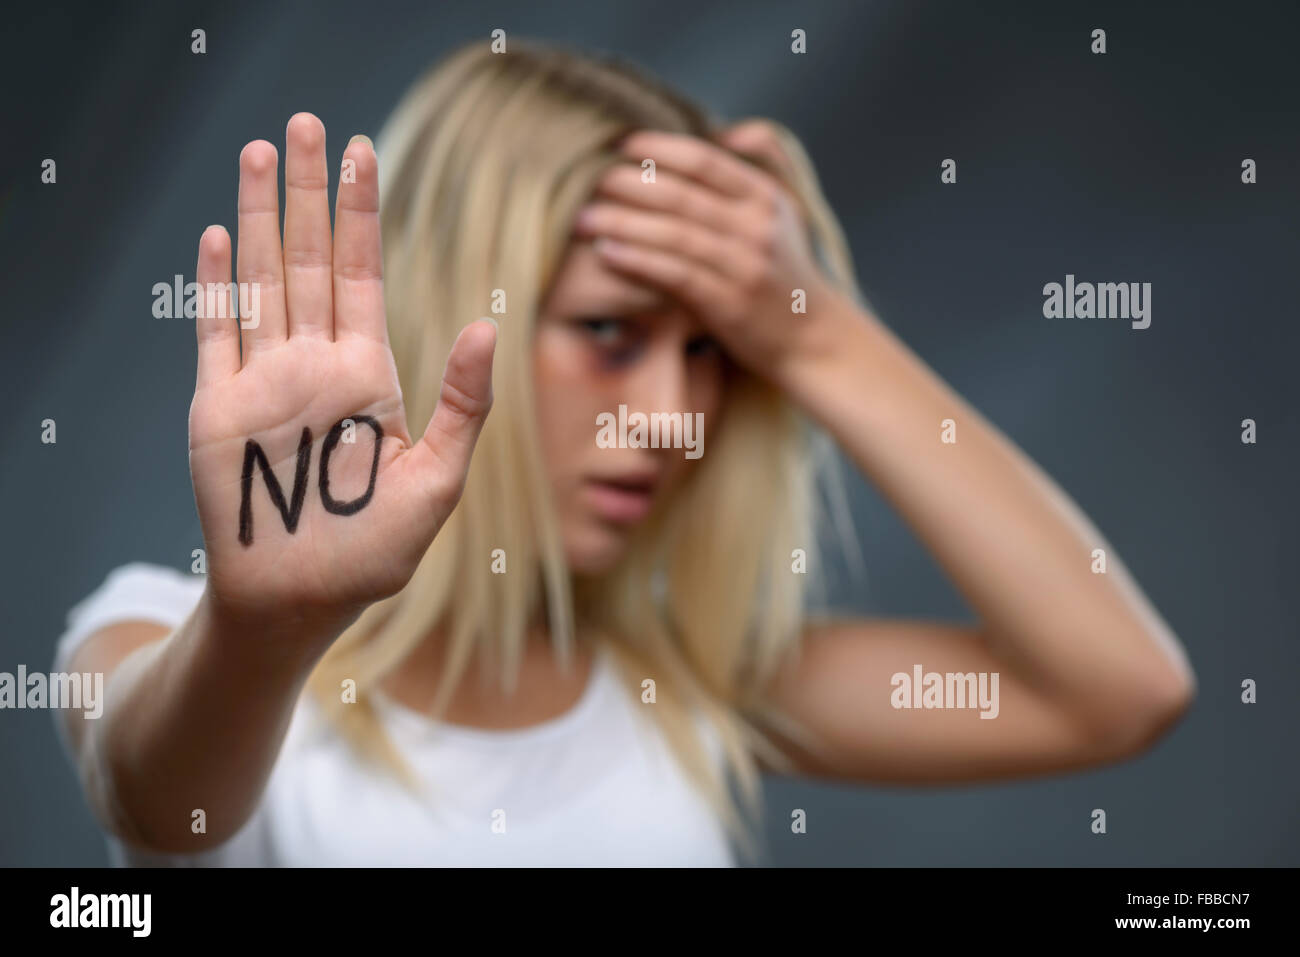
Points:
[(483, 166)]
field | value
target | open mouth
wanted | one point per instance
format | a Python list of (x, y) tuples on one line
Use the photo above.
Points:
[(622, 500)]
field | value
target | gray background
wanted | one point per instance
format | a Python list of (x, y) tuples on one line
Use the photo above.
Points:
[(1123, 167)]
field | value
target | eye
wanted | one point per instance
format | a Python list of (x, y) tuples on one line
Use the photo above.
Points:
[(617, 341), (616, 337), (605, 332)]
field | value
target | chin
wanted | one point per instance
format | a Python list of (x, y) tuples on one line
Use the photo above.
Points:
[(595, 549)]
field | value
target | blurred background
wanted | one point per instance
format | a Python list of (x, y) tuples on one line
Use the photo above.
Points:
[(1122, 167)]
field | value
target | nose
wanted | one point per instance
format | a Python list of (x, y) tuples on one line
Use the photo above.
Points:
[(660, 383)]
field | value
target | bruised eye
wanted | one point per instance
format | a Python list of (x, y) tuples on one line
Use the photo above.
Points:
[(604, 332), (617, 341)]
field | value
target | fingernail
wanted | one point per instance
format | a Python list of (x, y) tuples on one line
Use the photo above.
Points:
[(362, 138), (496, 325)]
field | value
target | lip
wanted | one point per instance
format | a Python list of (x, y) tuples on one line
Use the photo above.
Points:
[(621, 499)]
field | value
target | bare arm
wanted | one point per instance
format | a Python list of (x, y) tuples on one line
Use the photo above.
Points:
[(1088, 670), (840, 689), (313, 498), (193, 719)]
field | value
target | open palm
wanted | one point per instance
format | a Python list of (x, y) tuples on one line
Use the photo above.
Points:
[(311, 494)]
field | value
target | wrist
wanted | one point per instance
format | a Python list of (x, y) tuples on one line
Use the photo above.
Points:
[(284, 637), (828, 351)]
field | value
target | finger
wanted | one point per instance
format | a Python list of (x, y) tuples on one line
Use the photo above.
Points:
[(700, 160), (713, 250), (463, 405), (358, 251), (259, 262), (670, 193), (700, 289), (766, 144), (308, 245), (215, 327), (761, 140)]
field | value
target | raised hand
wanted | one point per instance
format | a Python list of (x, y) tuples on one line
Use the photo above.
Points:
[(312, 497), (721, 235)]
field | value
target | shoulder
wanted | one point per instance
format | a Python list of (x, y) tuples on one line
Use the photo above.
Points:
[(137, 591)]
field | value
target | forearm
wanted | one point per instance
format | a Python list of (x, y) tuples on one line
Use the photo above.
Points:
[(1013, 543), (193, 722)]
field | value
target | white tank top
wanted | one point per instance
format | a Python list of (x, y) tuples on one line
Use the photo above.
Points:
[(596, 786)]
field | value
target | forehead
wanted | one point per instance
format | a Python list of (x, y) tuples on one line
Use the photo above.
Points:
[(585, 284)]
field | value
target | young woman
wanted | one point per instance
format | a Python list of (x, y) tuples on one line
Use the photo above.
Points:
[(633, 605)]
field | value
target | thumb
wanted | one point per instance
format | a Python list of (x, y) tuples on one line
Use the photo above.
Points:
[(463, 404)]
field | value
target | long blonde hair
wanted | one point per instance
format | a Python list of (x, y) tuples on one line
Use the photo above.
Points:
[(483, 166)]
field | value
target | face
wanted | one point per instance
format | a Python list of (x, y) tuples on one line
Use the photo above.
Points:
[(604, 341)]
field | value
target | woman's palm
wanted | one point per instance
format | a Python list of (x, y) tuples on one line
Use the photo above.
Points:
[(310, 491)]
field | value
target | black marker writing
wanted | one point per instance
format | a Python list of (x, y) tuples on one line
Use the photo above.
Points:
[(357, 504), (290, 512)]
